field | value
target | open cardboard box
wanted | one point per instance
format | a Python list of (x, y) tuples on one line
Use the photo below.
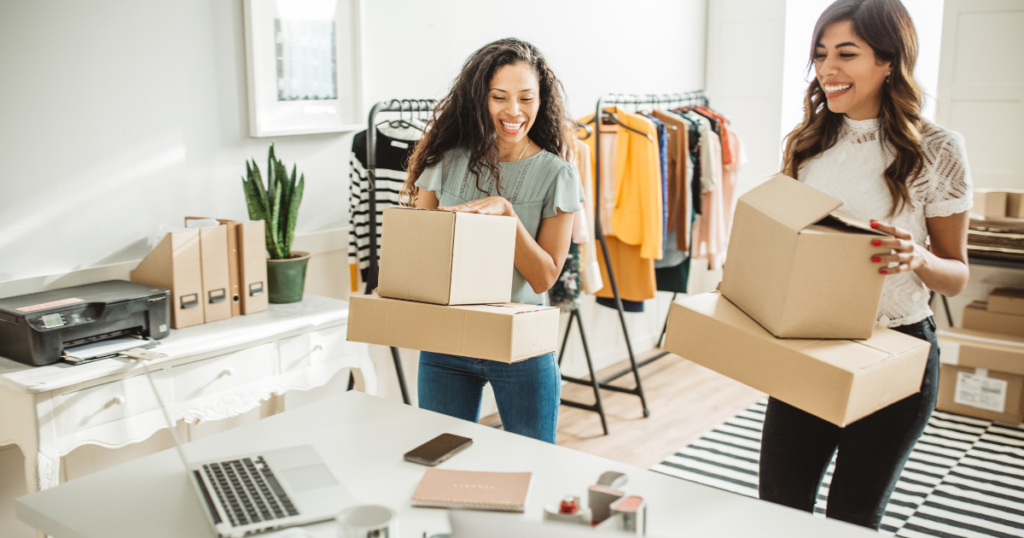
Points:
[(839, 381), (446, 258), (800, 267), (508, 332)]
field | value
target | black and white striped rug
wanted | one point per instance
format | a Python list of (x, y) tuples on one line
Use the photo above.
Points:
[(965, 477)]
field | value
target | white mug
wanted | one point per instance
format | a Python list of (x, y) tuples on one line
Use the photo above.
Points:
[(368, 521)]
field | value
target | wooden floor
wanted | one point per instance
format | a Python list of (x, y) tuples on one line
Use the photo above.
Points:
[(685, 401)]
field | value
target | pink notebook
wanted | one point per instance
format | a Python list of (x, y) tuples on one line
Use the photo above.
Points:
[(473, 490)]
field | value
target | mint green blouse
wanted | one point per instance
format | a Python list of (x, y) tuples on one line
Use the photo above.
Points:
[(535, 186)]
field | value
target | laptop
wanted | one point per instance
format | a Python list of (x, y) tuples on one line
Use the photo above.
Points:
[(246, 494)]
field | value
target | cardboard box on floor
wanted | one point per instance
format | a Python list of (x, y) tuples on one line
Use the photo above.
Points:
[(801, 268), (978, 317), (982, 375), (1015, 203), (508, 332), (446, 258), (839, 381), (994, 396), (1007, 301), (989, 203)]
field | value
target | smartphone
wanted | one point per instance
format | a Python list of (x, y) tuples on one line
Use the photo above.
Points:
[(438, 449)]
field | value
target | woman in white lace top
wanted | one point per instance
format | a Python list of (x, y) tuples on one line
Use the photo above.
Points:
[(863, 141)]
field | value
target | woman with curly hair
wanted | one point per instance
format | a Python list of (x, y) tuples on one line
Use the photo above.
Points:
[(500, 143), (863, 140)]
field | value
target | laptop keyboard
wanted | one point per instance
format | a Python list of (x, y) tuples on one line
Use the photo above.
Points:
[(249, 491)]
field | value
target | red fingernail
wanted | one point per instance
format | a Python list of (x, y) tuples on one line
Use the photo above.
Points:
[(876, 259), (874, 225), (876, 242), (884, 272)]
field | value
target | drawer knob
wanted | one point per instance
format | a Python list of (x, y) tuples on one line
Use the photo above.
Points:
[(318, 347), (118, 400), (227, 372)]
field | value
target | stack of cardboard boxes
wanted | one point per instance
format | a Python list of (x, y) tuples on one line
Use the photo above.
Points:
[(796, 314), (982, 372), (995, 203), (215, 269), (445, 285)]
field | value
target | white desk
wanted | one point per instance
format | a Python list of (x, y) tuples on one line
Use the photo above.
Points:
[(362, 438), (212, 371)]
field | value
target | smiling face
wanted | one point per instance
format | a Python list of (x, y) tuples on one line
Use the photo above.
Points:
[(849, 72), (514, 101)]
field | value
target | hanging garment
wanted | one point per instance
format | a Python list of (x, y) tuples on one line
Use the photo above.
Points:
[(394, 146), (637, 218), (663, 164), (674, 278), (729, 152), (679, 206), (627, 306), (590, 273), (565, 293), (709, 230)]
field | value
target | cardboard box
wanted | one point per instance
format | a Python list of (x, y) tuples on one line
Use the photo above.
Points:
[(978, 317), (980, 393), (1007, 301), (839, 381), (989, 203), (1015, 203), (446, 258), (507, 332), (801, 268), (982, 349), (175, 264)]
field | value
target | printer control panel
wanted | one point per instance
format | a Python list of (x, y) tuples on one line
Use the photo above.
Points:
[(59, 319)]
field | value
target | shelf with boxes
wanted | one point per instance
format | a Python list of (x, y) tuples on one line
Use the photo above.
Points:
[(982, 371)]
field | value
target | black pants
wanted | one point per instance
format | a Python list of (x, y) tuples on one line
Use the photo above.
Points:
[(796, 448)]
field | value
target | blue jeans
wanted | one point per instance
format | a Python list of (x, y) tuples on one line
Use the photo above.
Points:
[(528, 392)]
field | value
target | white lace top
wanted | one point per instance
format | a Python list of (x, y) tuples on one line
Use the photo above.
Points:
[(852, 170)]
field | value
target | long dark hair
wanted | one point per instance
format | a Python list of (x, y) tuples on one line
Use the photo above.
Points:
[(462, 118), (886, 26)]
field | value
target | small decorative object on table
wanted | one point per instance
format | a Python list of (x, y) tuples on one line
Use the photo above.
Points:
[(277, 204)]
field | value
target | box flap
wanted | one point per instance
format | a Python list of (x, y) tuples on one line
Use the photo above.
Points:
[(790, 202)]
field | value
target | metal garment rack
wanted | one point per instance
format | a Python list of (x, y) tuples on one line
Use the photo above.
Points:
[(401, 106), (682, 99)]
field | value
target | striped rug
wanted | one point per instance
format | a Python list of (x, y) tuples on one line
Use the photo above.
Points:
[(965, 477)]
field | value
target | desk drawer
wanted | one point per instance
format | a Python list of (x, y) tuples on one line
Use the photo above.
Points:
[(105, 403), (314, 348), (211, 376)]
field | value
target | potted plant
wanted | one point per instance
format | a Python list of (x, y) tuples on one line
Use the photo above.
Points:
[(277, 205)]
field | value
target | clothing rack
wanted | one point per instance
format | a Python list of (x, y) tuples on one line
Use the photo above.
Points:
[(401, 106), (693, 98)]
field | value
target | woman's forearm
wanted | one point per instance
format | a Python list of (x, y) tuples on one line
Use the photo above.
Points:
[(533, 262), (946, 276)]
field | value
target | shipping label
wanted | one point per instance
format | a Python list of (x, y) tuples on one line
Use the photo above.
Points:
[(981, 391)]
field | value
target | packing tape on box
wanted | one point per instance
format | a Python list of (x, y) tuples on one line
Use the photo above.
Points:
[(949, 352)]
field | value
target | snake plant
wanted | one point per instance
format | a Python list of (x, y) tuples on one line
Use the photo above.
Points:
[(277, 203)]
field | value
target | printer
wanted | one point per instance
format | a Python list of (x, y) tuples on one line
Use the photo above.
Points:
[(35, 329)]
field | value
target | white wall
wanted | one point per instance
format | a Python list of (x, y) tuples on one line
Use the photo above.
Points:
[(801, 15), (122, 115)]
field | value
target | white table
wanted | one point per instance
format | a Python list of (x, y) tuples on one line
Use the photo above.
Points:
[(212, 371), (362, 438)]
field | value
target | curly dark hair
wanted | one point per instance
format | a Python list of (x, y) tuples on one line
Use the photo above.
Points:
[(462, 118)]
